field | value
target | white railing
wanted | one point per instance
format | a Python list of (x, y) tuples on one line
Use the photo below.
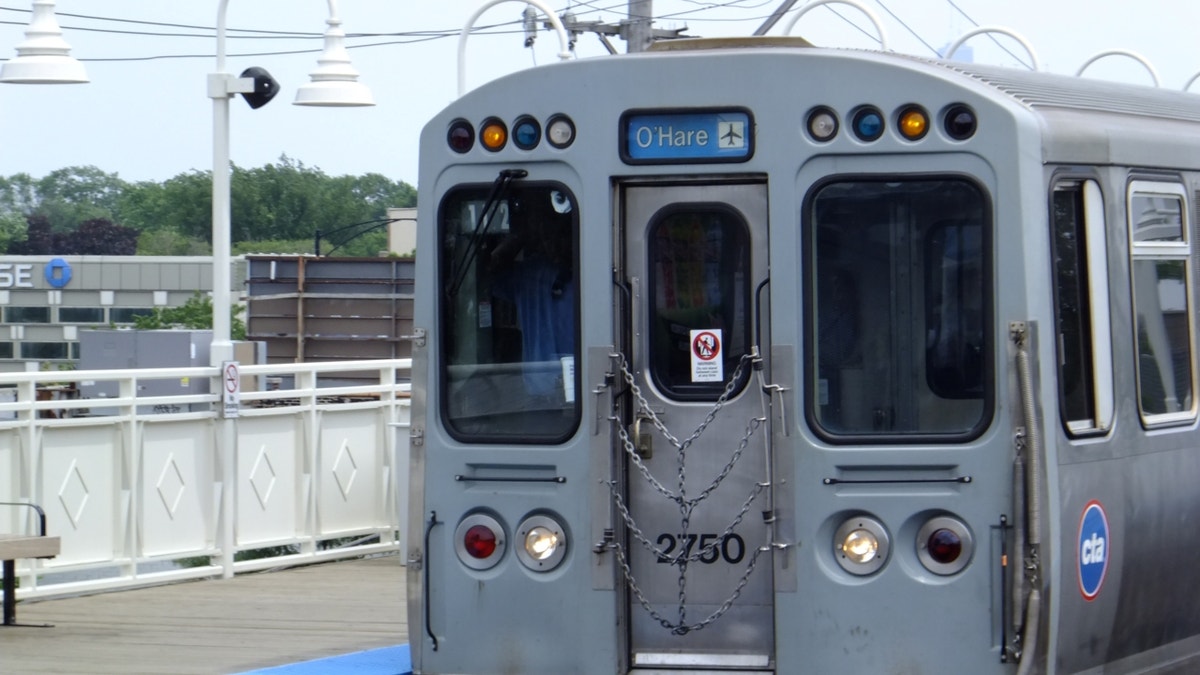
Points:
[(133, 483)]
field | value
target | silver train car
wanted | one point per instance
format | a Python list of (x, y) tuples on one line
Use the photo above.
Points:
[(745, 356)]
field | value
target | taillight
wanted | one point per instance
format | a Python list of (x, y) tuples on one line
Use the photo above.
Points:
[(944, 545), (479, 541)]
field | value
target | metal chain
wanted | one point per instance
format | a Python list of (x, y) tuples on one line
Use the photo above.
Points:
[(682, 627), (704, 550), (680, 498)]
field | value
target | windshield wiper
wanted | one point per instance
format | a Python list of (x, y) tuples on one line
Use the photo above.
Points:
[(482, 223)]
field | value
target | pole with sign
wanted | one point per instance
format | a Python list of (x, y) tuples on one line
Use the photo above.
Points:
[(231, 389)]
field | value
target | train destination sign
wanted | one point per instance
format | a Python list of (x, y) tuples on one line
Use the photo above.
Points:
[(658, 137)]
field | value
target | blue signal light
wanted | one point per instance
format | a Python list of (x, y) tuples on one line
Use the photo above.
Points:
[(526, 133), (868, 124)]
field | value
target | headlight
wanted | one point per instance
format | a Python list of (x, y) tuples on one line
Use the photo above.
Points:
[(861, 545), (543, 543)]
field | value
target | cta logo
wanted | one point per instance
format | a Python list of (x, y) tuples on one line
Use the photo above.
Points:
[(1093, 549)]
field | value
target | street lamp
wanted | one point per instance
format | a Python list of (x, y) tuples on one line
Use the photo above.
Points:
[(334, 83), (44, 57)]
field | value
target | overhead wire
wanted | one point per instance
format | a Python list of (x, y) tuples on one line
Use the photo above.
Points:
[(700, 12)]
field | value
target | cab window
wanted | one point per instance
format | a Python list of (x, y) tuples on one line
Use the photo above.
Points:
[(509, 313), (898, 321)]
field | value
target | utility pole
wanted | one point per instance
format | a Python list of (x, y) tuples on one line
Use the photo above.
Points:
[(637, 30), (638, 35)]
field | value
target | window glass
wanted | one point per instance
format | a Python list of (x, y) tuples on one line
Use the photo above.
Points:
[(27, 315), (899, 308), (127, 314), (6, 350), (509, 312), (700, 262), (1161, 256), (44, 350), (1080, 275), (81, 315)]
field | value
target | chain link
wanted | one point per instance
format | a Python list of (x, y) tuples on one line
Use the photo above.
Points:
[(685, 504)]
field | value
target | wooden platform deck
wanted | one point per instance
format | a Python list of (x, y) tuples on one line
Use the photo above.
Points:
[(216, 627)]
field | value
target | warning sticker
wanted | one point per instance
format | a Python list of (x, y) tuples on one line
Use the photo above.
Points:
[(707, 364)]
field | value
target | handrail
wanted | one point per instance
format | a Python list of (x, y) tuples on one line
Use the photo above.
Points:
[(319, 442), (41, 514), (787, 30), (1121, 52), (992, 29)]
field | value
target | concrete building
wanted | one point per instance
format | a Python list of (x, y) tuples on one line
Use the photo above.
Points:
[(46, 300)]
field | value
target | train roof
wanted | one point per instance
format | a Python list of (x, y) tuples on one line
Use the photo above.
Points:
[(1036, 90), (1084, 119)]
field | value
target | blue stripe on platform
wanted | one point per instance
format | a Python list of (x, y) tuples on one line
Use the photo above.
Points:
[(384, 661)]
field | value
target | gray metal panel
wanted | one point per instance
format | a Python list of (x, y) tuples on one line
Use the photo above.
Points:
[(189, 277), (131, 276), (152, 277)]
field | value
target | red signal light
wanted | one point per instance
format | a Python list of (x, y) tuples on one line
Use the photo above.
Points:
[(480, 541), (944, 546)]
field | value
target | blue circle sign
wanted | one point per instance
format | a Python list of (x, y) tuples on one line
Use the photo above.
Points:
[(58, 272), (1093, 549)]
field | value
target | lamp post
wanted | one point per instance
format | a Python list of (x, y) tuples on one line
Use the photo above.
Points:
[(334, 83)]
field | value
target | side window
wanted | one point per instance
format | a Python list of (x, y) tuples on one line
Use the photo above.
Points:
[(1081, 307), (509, 313), (1161, 261)]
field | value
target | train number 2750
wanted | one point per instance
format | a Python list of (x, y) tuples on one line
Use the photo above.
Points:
[(731, 548)]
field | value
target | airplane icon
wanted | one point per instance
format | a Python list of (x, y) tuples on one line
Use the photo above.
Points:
[(730, 134)]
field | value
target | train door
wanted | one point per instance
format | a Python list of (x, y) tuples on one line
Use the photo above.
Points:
[(696, 569)]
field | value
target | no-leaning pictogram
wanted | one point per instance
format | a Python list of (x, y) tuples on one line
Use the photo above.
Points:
[(707, 366)]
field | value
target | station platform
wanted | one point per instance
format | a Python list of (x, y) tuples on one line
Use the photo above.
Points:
[(333, 618)]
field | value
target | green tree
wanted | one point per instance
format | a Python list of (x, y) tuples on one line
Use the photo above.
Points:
[(18, 195), (195, 313), (68, 197), (277, 208)]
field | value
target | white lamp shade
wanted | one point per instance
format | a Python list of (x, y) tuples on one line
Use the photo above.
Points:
[(44, 57), (334, 82)]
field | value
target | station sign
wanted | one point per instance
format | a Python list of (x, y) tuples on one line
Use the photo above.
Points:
[(687, 136)]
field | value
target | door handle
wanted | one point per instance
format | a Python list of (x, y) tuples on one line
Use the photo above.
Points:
[(643, 444)]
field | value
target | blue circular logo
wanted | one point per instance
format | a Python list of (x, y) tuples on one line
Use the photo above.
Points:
[(58, 272), (1093, 549)]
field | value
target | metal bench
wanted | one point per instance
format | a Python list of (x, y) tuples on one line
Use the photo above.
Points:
[(15, 546)]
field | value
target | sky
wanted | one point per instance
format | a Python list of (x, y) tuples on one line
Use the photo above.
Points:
[(145, 114)]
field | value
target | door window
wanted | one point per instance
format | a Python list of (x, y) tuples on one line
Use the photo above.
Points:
[(700, 316)]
